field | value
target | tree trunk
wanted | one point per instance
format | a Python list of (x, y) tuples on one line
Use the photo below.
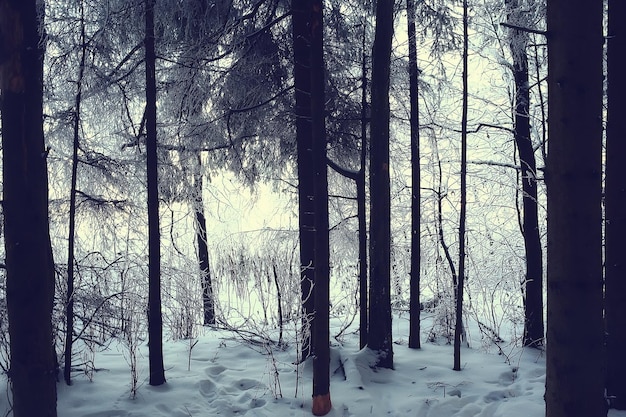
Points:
[(321, 340), (533, 303), (575, 377), (279, 301), (414, 302), (155, 319), (306, 179), (29, 262), (208, 304), (361, 207), (379, 335), (69, 301), (458, 326), (615, 202)]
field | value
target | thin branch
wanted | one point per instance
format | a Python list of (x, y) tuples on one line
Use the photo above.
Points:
[(261, 104), (341, 222), (348, 173), (99, 201), (477, 129), (183, 148), (343, 197), (502, 165), (524, 29), (124, 60)]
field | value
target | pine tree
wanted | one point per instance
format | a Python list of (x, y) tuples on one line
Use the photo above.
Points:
[(575, 377), (379, 334), (321, 339), (306, 179), (415, 304), (533, 302), (29, 262), (155, 319), (458, 324)]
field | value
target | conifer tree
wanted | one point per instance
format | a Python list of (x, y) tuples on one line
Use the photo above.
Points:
[(575, 374), (29, 262)]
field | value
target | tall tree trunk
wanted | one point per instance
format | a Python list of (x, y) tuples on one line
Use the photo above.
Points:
[(414, 302), (306, 179), (379, 335), (615, 204), (458, 326), (361, 206), (69, 301), (208, 303), (155, 319), (29, 262), (575, 377), (533, 303), (321, 340)]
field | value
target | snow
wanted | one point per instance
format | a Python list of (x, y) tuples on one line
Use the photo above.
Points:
[(224, 375)]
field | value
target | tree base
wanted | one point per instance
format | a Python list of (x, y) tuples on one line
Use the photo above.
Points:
[(617, 403), (321, 404)]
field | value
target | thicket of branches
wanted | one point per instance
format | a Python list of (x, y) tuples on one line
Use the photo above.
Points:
[(225, 94)]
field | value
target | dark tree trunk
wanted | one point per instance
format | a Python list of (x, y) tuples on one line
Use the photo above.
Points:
[(306, 178), (29, 262), (362, 209), (615, 204), (533, 303), (458, 326), (379, 334), (279, 301), (208, 304), (69, 302), (321, 289), (575, 361), (155, 319), (414, 302)]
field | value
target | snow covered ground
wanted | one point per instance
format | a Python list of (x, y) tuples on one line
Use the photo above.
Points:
[(226, 376)]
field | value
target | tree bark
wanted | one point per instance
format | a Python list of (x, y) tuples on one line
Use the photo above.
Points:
[(208, 303), (533, 283), (29, 261), (615, 202), (379, 335), (458, 326), (321, 340), (361, 187), (306, 179), (69, 301), (414, 301), (575, 377), (312, 34), (155, 319)]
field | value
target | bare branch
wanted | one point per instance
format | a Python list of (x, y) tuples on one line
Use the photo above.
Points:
[(353, 175), (524, 29)]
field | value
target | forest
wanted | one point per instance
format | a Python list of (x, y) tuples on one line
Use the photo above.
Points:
[(358, 191)]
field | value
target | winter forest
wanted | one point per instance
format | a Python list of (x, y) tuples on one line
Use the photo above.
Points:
[(241, 207)]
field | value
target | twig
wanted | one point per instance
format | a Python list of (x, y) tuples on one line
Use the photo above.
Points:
[(524, 29)]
